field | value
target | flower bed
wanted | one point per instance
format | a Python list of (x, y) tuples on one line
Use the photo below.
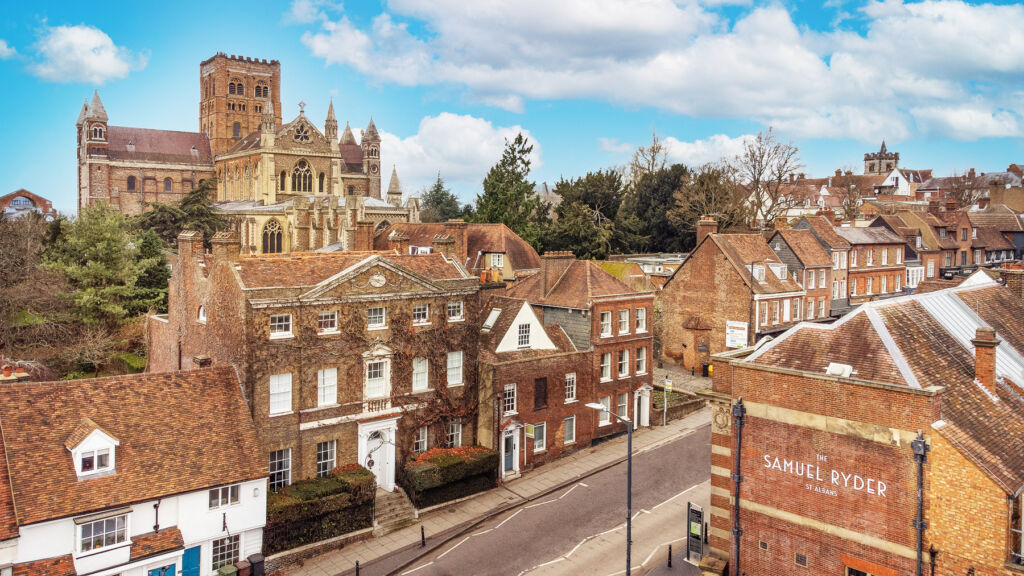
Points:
[(442, 474), (320, 508)]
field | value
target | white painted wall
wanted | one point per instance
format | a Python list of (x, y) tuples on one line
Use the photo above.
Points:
[(539, 339)]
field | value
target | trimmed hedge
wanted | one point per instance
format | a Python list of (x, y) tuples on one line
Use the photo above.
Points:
[(320, 508), (444, 474)]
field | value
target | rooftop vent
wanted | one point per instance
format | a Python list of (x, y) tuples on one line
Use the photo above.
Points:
[(840, 370)]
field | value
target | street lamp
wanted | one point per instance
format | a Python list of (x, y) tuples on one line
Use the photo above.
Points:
[(629, 476)]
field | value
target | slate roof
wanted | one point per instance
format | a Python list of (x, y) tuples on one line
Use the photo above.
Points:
[(250, 141), (509, 309), (480, 239), (805, 246), (742, 249), (148, 145), (924, 340), (580, 284), (827, 233), (1001, 216), (311, 268), (868, 235), (178, 432)]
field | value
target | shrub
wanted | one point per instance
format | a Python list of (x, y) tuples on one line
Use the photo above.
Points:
[(443, 474)]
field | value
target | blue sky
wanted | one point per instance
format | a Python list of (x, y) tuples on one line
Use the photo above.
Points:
[(941, 81)]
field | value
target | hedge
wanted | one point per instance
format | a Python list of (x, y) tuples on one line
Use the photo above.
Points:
[(444, 474), (320, 508)]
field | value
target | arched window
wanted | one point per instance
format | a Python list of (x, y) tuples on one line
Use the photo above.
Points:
[(97, 132), (272, 237), (236, 130), (281, 187), (131, 183), (167, 184), (202, 314), (262, 90), (302, 177), (266, 91), (231, 88), (22, 203), (320, 186)]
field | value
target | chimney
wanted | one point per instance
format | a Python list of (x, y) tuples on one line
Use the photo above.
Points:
[(456, 228), (202, 361), (552, 266), (443, 244), (971, 174), (706, 225), (226, 246), (934, 208), (780, 223), (983, 202), (791, 177), (950, 205), (1014, 281), (985, 343), (399, 242), (1016, 169), (839, 172), (364, 236), (190, 246)]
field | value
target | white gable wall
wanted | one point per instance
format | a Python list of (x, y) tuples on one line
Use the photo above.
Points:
[(539, 339)]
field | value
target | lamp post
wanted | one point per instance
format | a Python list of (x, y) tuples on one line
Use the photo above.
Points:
[(629, 476)]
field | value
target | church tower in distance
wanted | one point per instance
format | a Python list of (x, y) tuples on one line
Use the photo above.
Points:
[(233, 92)]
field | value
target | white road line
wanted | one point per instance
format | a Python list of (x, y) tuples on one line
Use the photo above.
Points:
[(461, 542), (656, 506), (416, 568)]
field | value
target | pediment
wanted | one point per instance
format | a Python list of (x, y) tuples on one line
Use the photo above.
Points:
[(372, 278), (301, 133)]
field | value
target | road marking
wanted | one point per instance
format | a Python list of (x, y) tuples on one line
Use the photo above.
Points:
[(416, 568), (463, 541), (656, 506)]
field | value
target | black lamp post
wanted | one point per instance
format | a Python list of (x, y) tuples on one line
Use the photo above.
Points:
[(629, 477)]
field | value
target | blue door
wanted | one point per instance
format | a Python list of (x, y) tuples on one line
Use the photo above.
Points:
[(509, 456), (164, 571), (190, 562)]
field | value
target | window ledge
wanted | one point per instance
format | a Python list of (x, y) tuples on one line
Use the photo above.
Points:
[(203, 322), (623, 376), (328, 332), (569, 443), (604, 335), (510, 413), (644, 373), (110, 548), (541, 451), (281, 336), (456, 320), (275, 415), (421, 323), (606, 379), (456, 385), (372, 328), (421, 390), (321, 407), (604, 423), (573, 401), (644, 331), (1013, 566)]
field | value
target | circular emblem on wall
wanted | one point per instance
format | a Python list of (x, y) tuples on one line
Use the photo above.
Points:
[(721, 420), (378, 280), (373, 168)]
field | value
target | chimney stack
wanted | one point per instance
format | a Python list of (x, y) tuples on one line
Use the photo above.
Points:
[(364, 236), (706, 225), (399, 242), (839, 172), (226, 246), (552, 266), (443, 244), (934, 208), (950, 205), (985, 343), (456, 228)]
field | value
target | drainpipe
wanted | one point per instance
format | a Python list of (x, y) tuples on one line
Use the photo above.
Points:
[(920, 448), (738, 411)]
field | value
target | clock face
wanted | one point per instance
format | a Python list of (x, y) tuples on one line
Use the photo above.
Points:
[(373, 168), (378, 280)]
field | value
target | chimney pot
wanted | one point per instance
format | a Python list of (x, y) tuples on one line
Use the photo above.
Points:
[(985, 344), (202, 361), (705, 226)]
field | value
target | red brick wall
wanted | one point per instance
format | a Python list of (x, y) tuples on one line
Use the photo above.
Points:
[(631, 342)]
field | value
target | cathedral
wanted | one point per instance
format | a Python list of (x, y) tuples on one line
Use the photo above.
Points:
[(287, 187)]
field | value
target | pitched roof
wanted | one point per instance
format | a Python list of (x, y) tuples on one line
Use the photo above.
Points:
[(250, 141), (743, 250), (59, 566), (992, 239), (508, 309), (827, 233), (805, 246), (311, 268), (868, 235), (481, 239), (169, 441), (925, 340), (81, 432), (153, 543), (148, 145), (1001, 216), (580, 284), (8, 515), (347, 137), (928, 225), (629, 273)]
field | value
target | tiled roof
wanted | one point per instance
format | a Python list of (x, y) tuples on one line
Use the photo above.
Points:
[(935, 284), (1001, 216), (178, 432), (311, 268), (249, 142), (582, 282), (8, 516), (827, 233), (992, 239), (629, 273), (81, 432), (153, 543), (744, 249), (806, 247), (148, 145), (59, 566), (869, 235), (352, 156), (509, 309), (926, 340), (480, 239)]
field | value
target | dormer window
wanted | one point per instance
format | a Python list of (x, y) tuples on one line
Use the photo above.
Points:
[(95, 461), (92, 449)]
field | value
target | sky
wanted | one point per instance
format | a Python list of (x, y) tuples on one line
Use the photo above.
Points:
[(448, 81)]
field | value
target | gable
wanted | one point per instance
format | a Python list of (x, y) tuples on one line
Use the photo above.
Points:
[(301, 133), (539, 339), (371, 278)]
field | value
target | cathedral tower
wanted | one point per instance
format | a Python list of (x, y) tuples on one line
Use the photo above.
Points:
[(233, 92), (371, 159), (93, 163), (882, 162)]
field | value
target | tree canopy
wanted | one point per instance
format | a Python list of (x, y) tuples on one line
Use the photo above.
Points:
[(438, 204), (509, 197), (193, 212)]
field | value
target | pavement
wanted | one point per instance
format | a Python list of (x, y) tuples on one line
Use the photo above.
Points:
[(400, 551)]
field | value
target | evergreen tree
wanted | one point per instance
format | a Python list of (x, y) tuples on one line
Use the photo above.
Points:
[(151, 286), (581, 229), (509, 197), (438, 204), (647, 206), (193, 212)]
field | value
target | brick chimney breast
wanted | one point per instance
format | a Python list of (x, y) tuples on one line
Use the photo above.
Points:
[(985, 344), (226, 246), (552, 266), (705, 226), (456, 228)]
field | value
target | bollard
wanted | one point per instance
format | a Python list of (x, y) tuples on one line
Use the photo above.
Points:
[(669, 555), (423, 537), (357, 567), (705, 532)]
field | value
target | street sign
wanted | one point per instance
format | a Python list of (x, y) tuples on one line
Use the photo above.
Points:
[(735, 334), (694, 530), (668, 385)]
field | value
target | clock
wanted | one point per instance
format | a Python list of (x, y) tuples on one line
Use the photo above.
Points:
[(378, 280)]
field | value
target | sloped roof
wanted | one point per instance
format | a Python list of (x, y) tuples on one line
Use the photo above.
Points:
[(924, 340), (805, 246), (509, 308), (153, 543), (744, 249), (992, 239), (311, 268), (81, 432), (480, 239), (827, 233), (928, 224), (8, 517), (629, 273), (59, 566), (580, 284), (869, 235), (250, 141), (169, 442), (148, 145), (1001, 216)]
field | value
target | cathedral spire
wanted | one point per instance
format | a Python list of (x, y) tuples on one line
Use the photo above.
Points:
[(84, 113), (882, 151), (96, 110), (394, 187), (371, 132), (346, 136), (267, 122), (331, 124)]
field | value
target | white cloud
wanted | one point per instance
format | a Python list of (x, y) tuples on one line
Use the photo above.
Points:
[(83, 54), (687, 58), (712, 149), (307, 11), (967, 121), (461, 147), (614, 145), (6, 51)]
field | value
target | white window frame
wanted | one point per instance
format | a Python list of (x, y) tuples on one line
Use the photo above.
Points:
[(570, 387), (371, 382), (509, 400), (96, 457), (641, 320), (606, 324), (370, 313), (885, 256), (420, 374), (899, 256), (421, 314), (605, 416), (624, 321), (523, 335), (280, 390), (278, 324), (884, 278), (225, 496), (326, 457), (540, 437), (231, 543), (899, 282), (622, 405), (623, 362), (459, 307), (853, 258), (497, 260), (327, 387), (641, 360), (454, 368), (931, 269), (327, 322), (201, 316), (454, 436), (822, 282), (821, 308), (419, 444), (871, 257), (285, 471), (606, 367), (569, 430), (810, 308), (123, 532)]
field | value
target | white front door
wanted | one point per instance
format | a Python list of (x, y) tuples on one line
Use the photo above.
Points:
[(644, 394), (510, 452), (377, 450)]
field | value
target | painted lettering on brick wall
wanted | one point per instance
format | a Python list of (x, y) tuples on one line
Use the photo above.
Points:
[(826, 479)]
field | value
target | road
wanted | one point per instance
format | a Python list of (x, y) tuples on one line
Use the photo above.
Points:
[(580, 530)]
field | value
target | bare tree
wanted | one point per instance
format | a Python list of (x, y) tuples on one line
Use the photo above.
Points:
[(711, 189), (764, 167), (647, 159), (964, 189), (847, 188)]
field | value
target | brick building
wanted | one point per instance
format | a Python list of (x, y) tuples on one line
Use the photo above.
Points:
[(929, 236), (344, 357), (838, 248), (608, 320), (22, 202), (1009, 222), (534, 385), (822, 437), (807, 260), (877, 269), (729, 283)]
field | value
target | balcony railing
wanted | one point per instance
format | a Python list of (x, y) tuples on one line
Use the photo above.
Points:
[(376, 405)]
